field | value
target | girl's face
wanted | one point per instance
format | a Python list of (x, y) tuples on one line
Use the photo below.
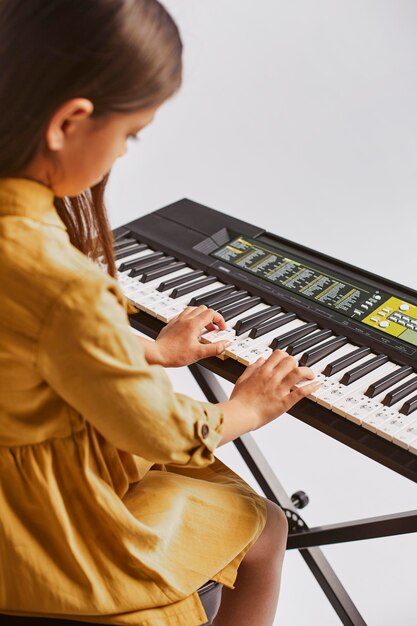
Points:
[(81, 149)]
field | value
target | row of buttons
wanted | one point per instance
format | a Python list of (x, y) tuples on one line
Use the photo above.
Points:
[(404, 320)]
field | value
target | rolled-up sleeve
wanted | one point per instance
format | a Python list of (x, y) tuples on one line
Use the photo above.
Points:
[(89, 356)]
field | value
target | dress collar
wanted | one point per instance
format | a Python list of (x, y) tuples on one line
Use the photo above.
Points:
[(22, 196)]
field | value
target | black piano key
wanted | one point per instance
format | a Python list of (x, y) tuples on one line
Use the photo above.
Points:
[(142, 260), (230, 298), (143, 268), (124, 243), (270, 325), (179, 280), (246, 323), (122, 234), (344, 361), (400, 392), (301, 345), (162, 271), (360, 370), (410, 406), (314, 355), (387, 381), (233, 310), (211, 295), (292, 335), (197, 284), (129, 250)]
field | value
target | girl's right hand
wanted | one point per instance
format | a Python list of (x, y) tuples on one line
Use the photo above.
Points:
[(264, 391)]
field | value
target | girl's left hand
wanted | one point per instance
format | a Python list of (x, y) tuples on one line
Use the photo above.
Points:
[(179, 342)]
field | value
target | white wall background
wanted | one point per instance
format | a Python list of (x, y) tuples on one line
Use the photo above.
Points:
[(301, 117)]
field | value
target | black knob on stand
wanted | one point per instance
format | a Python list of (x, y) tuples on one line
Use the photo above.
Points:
[(300, 499)]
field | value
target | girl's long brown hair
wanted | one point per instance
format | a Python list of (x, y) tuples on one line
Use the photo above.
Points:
[(123, 55)]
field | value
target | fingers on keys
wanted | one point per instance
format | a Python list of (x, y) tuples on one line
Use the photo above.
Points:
[(209, 318), (300, 381)]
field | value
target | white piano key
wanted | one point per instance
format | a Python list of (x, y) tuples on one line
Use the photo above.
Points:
[(382, 415), (256, 353), (367, 406), (344, 405), (229, 333), (393, 426), (364, 405), (318, 368), (413, 446), (332, 389), (342, 397), (407, 437)]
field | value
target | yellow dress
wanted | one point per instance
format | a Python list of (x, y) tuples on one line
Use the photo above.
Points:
[(113, 507)]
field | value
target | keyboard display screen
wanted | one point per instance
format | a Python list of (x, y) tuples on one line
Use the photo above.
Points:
[(357, 301)]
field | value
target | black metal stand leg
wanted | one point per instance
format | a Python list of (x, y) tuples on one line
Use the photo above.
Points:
[(274, 491), (372, 528)]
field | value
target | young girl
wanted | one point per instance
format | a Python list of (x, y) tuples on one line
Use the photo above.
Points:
[(113, 507)]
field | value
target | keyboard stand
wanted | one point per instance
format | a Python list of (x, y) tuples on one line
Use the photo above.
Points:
[(300, 536)]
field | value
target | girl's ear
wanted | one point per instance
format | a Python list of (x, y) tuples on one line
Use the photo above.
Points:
[(66, 120)]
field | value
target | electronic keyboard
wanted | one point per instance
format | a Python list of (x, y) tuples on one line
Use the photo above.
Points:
[(356, 330)]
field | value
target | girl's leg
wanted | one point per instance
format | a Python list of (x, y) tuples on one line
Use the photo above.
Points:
[(255, 597)]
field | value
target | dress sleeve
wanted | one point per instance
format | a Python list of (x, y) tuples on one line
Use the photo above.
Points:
[(90, 357)]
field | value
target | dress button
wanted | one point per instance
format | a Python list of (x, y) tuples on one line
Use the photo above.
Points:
[(204, 431)]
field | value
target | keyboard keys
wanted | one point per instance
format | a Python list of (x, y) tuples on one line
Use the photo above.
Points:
[(410, 406), (332, 390), (128, 250), (185, 278), (354, 394), (211, 296), (385, 383), (383, 418), (124, 243), (162, 271), (248, 322), (368, 389), (400, 392), (284, 339), (194, 286), (244, 344), (273, 324), (349, 359), (406, 437), (314, 355), (144, 266), (233, 310), (139, 260), (130, 257), (121, 235), (228, 299), (301, 345), (359, 371)]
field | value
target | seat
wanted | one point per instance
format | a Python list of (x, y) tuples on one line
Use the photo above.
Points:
[(210, 596)]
